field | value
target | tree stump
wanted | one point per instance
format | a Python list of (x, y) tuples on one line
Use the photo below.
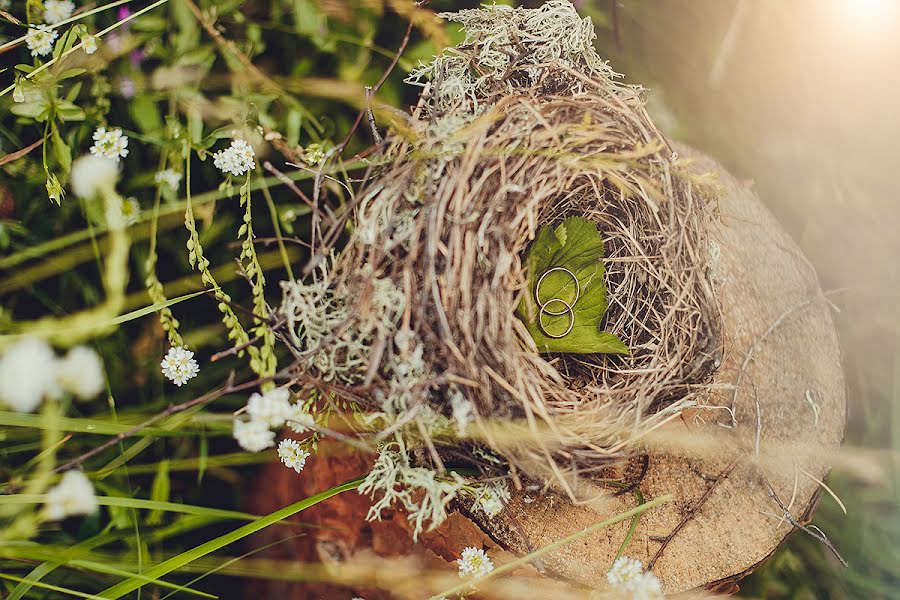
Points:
[(743, 476)]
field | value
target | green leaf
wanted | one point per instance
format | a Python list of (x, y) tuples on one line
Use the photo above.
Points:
[(577, 246), (67, 111), (61, 151)]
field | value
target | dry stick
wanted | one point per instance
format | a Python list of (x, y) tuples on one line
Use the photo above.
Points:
[(174, 409), (8, 158), (290, 184), (692, 511), (812, 531), (375, 88)]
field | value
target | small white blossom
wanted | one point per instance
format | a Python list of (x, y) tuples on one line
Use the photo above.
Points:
[(237, 159), (253, 436), (491, 498), (73, 495), (131, 211), (27, 374), (179, 365), (92, 175), (271, 408), (627, 576), (81, 373), (88, 44), (58, 10), (18, 94), (40, 40), (110, 144), (299, 420), (170, 178), (292, 455), (475, 563)]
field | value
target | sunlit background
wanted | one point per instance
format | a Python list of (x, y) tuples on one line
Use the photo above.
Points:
[(800, 98)]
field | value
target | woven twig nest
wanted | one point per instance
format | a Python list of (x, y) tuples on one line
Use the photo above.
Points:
[(503, 144), (731, 398)]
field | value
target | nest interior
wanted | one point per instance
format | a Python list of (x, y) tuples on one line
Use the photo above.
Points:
[(519, 127)]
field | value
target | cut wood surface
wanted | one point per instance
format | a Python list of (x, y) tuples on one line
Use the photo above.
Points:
[(733, 479)]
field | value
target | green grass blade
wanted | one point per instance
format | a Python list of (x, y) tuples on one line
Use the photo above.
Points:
[(164, 568), (130, 316), (141, 504), (73, 425), (111, 570), (53, 588)]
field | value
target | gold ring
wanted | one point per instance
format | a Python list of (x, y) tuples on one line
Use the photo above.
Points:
[(568, 309), (537, 295)]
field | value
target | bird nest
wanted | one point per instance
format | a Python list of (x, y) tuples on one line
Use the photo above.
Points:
[(414, 320)]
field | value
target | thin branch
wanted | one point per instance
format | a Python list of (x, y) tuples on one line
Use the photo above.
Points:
[(172, 410), (692, 511)]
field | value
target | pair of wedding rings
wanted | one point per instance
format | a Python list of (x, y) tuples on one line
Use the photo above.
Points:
[(552, 302)]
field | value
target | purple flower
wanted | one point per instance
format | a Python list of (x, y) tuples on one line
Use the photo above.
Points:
[(137, 56)]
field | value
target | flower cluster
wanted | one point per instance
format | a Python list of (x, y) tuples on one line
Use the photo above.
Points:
[(292, 455), (73, 495), (169, 178), (272, 410), (110, 144), (474, 563), (30, 372), (237, 159), (58, 10), (40, 40), (179, 365), (253, 436), (628, 577), (491, 498)]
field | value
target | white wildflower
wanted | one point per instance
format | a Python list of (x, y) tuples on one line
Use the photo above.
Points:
[(253, 436), (624, 570), (58, 10), (40, 40), (292, 455), (110, 144), (93, 175), (81, 373), (170, 178), (272, 407), (27, 374), (88, 44), (299, 420), (627, 576), (475, 563), (130, 211), (492, 497), (179, 365), (237, 159), (73, 495)]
